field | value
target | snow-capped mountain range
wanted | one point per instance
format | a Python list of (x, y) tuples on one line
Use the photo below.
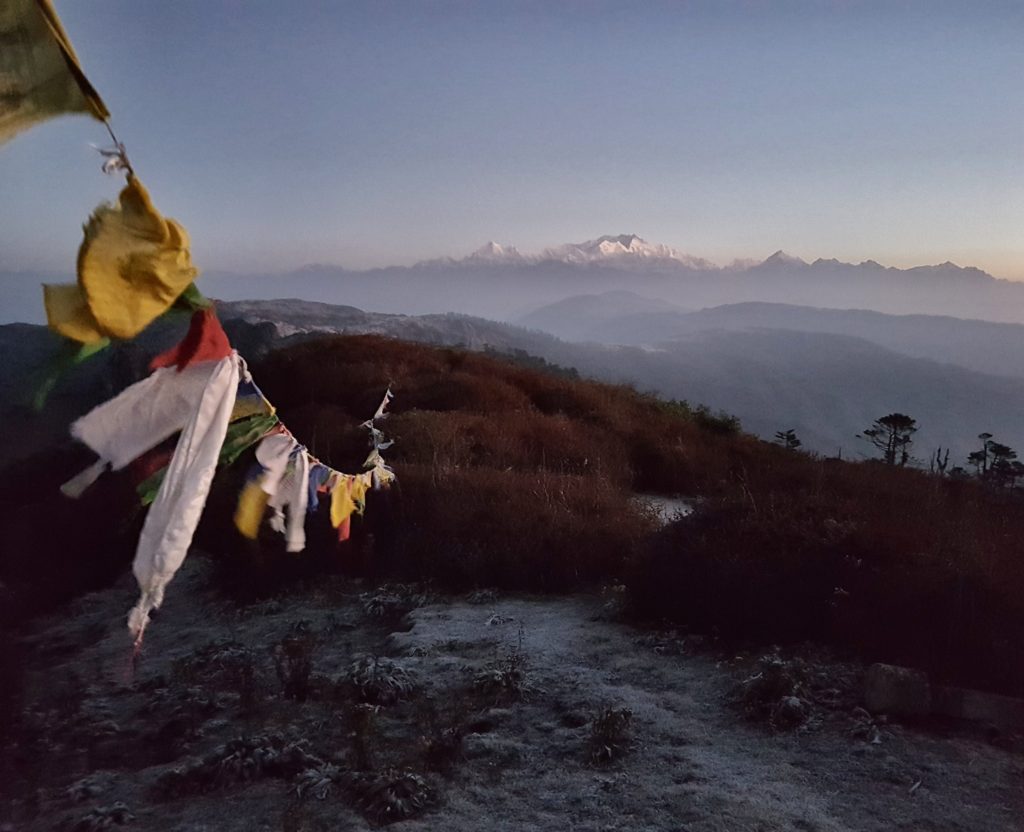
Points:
[(502, 282), (631, 252), (620, 251)]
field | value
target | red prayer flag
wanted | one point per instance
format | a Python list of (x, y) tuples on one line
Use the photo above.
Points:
[(205, 341)]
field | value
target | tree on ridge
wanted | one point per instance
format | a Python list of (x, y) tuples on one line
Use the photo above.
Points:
[(893, 436)]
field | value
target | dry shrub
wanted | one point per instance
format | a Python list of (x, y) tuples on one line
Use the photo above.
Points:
[(506, 679), (390, 795), (461, 390), (293, 661), (461, 408), (379, 681), (894, 564), (610, 734), (516, 530), (525, 440)]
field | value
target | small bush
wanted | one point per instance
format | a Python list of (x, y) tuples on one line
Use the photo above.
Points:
[(775, 693), (220, 665), (506, 680), (441, 739), (293, 661), (442, 747), (390, 795), (610, 734), (391, 602), (318, 782), (380, 681)]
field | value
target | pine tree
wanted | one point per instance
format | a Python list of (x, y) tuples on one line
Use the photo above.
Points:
[(893, 436), (788, 439)]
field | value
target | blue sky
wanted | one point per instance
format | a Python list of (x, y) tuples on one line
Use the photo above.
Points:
[(374, 133)]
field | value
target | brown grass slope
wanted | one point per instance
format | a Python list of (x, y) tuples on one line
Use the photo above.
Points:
[(521, 479)]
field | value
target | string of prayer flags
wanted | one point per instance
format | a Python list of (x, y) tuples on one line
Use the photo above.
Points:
[(40, 76), (133, 265), (218, 411), (242, 434)]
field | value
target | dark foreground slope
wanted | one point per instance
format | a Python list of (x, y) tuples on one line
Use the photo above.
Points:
[(277, 692), (522, 478), (331, 707)]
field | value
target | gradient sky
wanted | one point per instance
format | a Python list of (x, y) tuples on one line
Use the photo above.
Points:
[(377, 133)]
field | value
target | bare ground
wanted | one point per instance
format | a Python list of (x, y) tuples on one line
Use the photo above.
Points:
[(481, 715)]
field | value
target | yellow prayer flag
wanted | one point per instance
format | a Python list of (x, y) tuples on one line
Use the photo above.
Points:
[(40, 76), (342, 504), (68, 313), (133, 263), (252, 503), (359, 486)]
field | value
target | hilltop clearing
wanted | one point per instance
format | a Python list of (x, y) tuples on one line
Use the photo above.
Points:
[(494, 710)]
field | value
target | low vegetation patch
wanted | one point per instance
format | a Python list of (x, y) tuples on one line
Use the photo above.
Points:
[(379, 681), (100, 818), (239, 761), (506, 680), (891, 565)]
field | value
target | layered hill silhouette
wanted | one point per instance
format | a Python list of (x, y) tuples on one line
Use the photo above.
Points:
[(500, 282), (827, 385), (626, 318)]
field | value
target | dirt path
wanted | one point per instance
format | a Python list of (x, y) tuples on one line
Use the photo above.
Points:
[(519, 680)]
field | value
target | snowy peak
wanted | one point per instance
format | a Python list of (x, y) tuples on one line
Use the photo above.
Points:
[(780, 258), (622, 250), (493, 252), (618, 251)]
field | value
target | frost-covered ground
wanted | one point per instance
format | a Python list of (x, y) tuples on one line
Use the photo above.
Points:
[(481, 715)]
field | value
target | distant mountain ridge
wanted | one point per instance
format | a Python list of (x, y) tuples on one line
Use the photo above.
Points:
[(984, 346), (502, 283), (828, 387)]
